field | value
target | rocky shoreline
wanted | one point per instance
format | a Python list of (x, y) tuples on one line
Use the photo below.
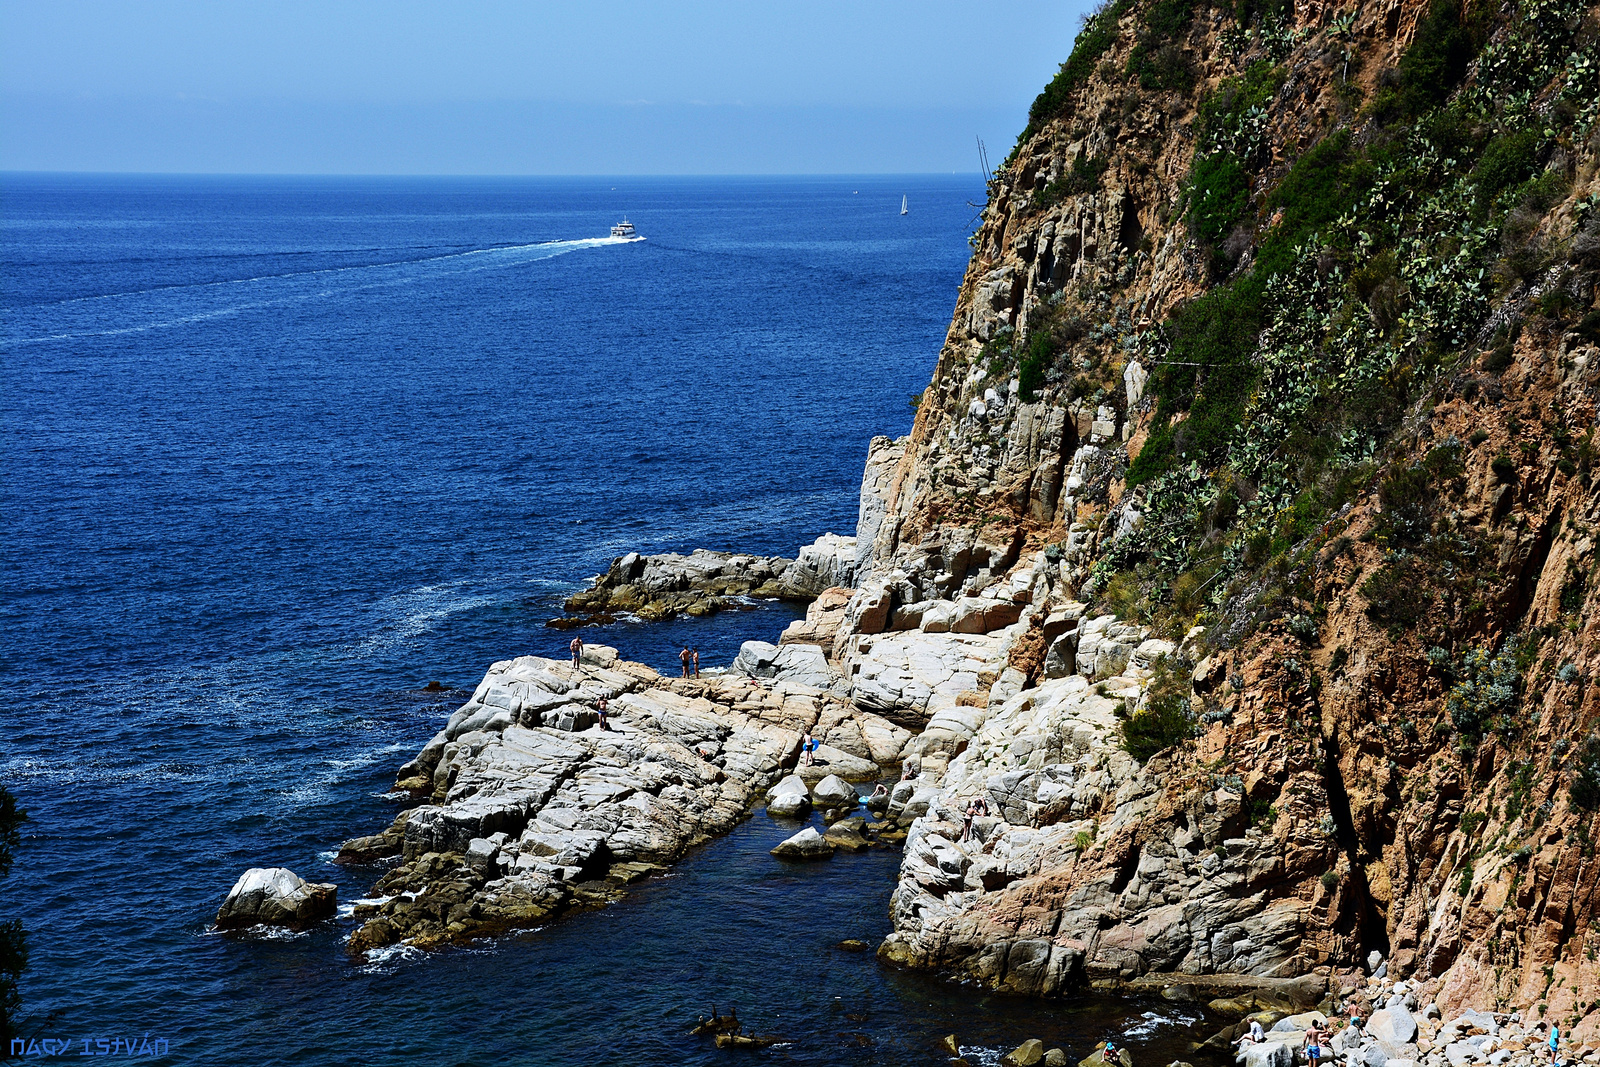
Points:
[(703, 582), (531, 808)]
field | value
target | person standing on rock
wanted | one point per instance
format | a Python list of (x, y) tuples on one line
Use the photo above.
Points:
[(966, 825), (1555, 1041), (684, 658), (806, 745), (1314, 1045), (695, 653), (577, 650), (600, 709)]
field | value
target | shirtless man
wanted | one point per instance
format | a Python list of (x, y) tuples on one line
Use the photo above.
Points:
[(685, 657), (577, 650), (1314, 1046), (601, 709), (695, 655)]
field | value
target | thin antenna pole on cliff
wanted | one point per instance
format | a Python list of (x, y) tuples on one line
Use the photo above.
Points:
[(983, 161)]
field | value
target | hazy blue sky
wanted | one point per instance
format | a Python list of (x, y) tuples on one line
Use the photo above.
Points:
[(531, 88)]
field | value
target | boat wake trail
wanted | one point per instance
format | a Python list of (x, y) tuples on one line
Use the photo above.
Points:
[(166, 307)]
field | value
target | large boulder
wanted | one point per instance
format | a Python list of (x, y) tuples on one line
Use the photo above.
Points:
[(827, 562), (789, 783), (805, 845), (790, 798), (1393, 1024), (1098, 1058), (981, 615), (1026, 1054), (276, 896), (1267, 1054), (834, 792), (849, 835), (789, 805)]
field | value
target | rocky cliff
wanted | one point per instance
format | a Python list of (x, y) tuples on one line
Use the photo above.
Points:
[(1241, 558)]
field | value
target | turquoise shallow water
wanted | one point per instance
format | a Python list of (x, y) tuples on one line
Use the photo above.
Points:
[(279, 452)]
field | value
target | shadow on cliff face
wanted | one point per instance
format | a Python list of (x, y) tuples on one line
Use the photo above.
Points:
[(1363, 920)]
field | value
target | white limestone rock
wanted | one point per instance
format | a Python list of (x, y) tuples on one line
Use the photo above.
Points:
[(276, 896), (833, 792), (808, 844)]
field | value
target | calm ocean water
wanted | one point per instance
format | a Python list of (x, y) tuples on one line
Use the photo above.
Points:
[(278, 452)]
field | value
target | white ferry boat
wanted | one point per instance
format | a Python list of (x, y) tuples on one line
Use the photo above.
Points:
[(624, 229)]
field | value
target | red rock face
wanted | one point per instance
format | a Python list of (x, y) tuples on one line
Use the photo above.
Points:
[(1360, 783)]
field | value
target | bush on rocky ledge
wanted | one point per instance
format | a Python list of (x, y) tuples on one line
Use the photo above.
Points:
[(1164, 720)]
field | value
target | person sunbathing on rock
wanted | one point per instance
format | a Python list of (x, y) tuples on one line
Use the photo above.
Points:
[(1253, 1036)]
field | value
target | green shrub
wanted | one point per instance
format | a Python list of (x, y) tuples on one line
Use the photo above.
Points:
[(1157, 61), (1329, 880), (1442, 50), (1248, 11), (1510, 160), (1324, 183), (1585, 787), (1225, 111), (1217, 195), (1504, 467), (1471, 821), (1166, 67), (1488, 692), (1590, 326), (1500, 359), (1165, 719), (1407, 497), (1099, 33), (1082, 177), (1396, 593), (1030, 375)]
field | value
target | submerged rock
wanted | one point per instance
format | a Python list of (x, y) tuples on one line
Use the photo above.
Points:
[(276, 896)]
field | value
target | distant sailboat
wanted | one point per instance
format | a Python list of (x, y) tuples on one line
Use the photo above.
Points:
[(903, 209)]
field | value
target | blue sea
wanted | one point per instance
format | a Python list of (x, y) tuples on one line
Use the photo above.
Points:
[(279, 452)]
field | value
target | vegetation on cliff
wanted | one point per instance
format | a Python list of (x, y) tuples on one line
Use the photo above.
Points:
[(1280, 335)]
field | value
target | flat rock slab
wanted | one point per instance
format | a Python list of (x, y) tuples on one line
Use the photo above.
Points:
[(528, 814)]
